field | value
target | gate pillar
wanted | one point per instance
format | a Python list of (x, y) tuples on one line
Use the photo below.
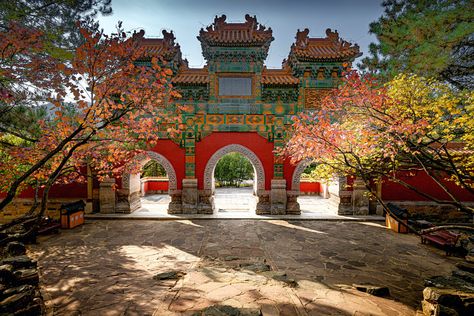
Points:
[(278, 197), (176, 204), (190, 196), (107, 196), (339, 197), (206, 202), (360, 198), (292, 206), (263, 203)]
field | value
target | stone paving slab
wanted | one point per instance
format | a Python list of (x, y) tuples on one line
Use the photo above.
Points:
[(234, 203), (107, 267), (233, 215)]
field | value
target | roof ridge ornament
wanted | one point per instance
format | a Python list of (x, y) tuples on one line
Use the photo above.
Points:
[(302, 38), (219, 22), (251, 21), (168, 37), (138, 35), (334, 37)]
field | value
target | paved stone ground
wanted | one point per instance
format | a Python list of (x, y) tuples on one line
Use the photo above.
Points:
[(107, 267), (231, 203), (235, 199)]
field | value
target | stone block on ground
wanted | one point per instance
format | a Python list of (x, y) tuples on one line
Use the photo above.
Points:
[(16, 302), (226, 310), (26, 276), (439, 301), (169, 275), (466, 276), (373, 289), (450, 282), (19, 294), (283, 277), (466, 266), (6, 274), (255, 267), (19, 262), (15, 290), (15, 248), (470, 258)]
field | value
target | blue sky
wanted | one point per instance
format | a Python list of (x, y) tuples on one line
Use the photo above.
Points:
[(185, 18)]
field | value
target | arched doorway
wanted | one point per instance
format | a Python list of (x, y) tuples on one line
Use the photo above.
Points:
[(133, 187), (309, 196), (209, 180), (234, 178)]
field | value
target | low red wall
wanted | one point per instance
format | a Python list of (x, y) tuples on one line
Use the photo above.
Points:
[(396, 192), (66, 191), (156, 185), (310, 187)]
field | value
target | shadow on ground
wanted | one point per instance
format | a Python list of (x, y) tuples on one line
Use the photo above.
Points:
[(107, 267)]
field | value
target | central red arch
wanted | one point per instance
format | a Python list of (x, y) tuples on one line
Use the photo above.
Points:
[(260, 146)]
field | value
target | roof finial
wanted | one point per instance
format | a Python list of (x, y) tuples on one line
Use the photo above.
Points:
[(302, 38), (219, 21)]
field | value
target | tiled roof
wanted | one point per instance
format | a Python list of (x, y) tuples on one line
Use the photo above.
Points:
[(191, 76), (164, 47), (221, 33), (201, 76), (331, 47), (278, 77)]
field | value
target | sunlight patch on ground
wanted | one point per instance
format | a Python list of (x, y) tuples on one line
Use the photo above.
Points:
[(374, 224), (288, 225), (188, 222), (154, 259)]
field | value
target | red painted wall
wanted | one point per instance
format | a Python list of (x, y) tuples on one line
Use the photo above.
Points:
[(175, 155), (155, 185), (66, 191), (310, 187), (395, 192), (288, 170), (256, 143)]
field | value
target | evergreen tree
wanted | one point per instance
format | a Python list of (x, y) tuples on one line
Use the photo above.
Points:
[(431, 38)]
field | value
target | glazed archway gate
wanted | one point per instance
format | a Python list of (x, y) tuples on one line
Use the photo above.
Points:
[(206, 196), (129, 194), (235, 103)]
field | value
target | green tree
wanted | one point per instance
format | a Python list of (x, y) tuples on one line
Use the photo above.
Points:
[(232, 169), (56, 18), (53, 34), (410, 125), (153, 169), (432, 38)]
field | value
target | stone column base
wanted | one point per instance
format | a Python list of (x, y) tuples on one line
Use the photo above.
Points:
[(107, 196), (342, 202), (190, 196), (88, 208), (176, 205), (292, 205), (278, 197), (263, 203), (360, 199), (127, 202), (206, 202)]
